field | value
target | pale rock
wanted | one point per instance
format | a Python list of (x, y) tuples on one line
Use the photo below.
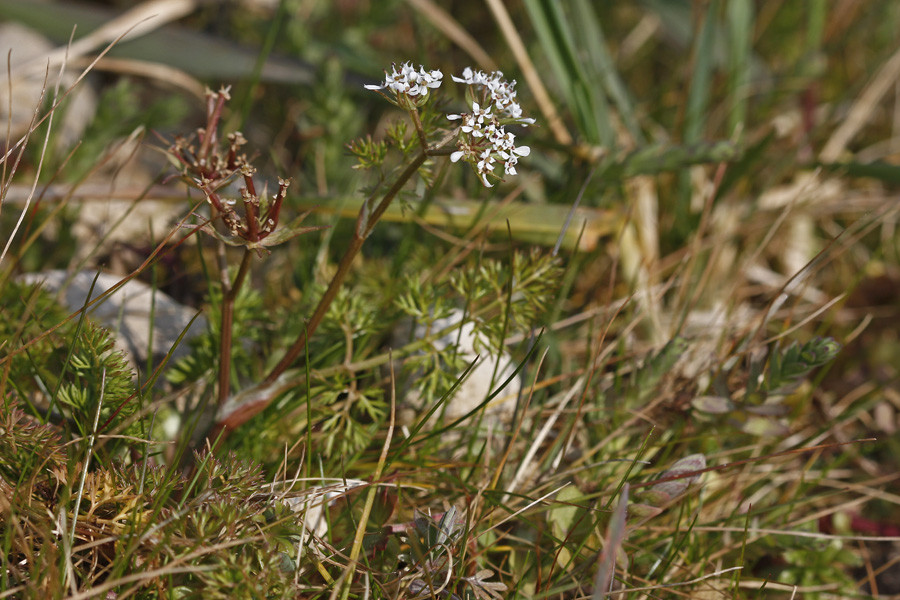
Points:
[(127, 311), (481, 380)]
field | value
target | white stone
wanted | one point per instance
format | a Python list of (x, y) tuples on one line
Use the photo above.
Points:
[(127, 311), (482, 380)]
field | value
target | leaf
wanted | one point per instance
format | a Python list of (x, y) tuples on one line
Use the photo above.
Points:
[(559, 27), (701, 74), (562, 518), (768, 410), (739, 19), (448, 527), (593, 42), (676, 487), (279, 236), (486, 590), (638, 510), (658, 158), (878, 169), (562, 515), (762, 427), (288, 232), (715, 405), (385, 503), (796, 361)]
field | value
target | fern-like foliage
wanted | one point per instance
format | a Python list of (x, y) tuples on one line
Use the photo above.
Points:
[(25, 444), (33, 473), (343, 406), (508, 298), (796, 361), (69, 373), (96, 375), (767, 378), (215, 535), (28, 312)]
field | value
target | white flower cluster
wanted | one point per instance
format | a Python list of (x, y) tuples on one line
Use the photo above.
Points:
[(409, 83), (501, 92), (483, 136)]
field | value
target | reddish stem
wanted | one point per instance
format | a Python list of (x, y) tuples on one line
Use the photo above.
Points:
[(229, 296)]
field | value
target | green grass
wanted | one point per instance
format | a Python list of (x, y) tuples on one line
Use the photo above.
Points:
[(688, 389)]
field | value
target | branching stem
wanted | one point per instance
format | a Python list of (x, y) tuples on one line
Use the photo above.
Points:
[(365, 224)]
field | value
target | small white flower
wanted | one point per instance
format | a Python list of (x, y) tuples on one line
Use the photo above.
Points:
[(480, 114), (503, 140), (436, 78), (486, 166), (471, 77), (514, 152), (467, 124), (512, 158), (513, 110), (472, 126), (483, 139), (463, 151), (408, 81), (466, 78)]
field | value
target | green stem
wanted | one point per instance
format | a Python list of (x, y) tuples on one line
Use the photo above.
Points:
[(420, 131), (365, 223), (356, 549)]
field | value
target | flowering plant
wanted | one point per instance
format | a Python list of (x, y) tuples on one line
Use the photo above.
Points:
[(482, 139), (409, 86)]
